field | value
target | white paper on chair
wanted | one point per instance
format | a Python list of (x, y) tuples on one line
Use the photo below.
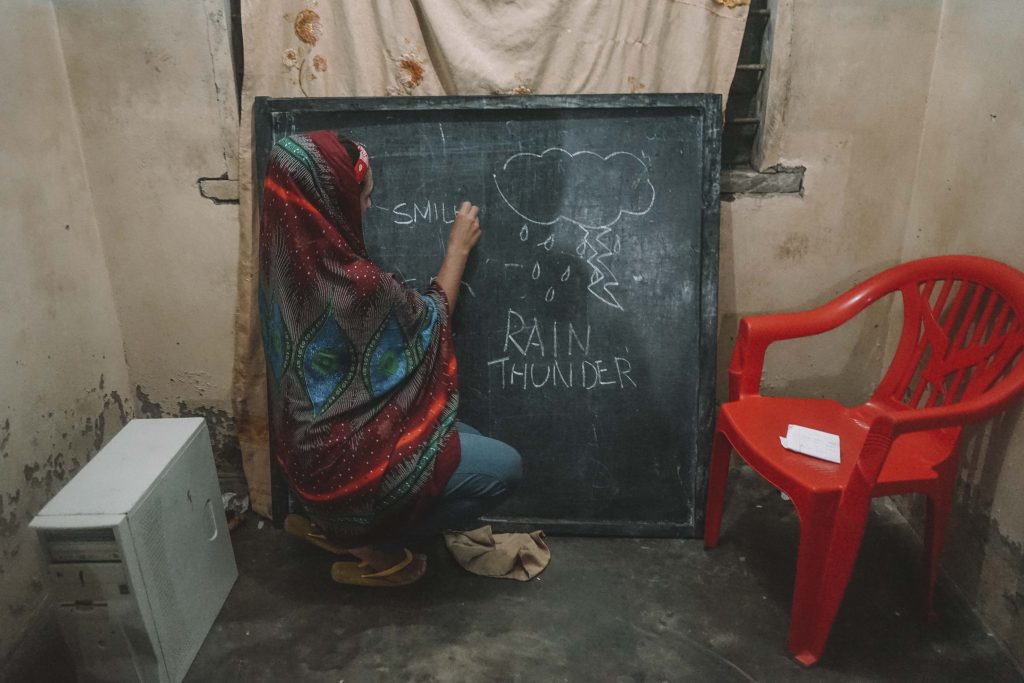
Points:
[(812, 442)]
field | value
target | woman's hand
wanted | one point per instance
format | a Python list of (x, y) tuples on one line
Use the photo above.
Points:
[(461, 240), (465, 232)]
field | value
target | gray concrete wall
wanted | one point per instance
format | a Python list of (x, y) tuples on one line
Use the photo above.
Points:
[(839, 105), (65, 387), (153, 87), (112, 259), (968, 199)]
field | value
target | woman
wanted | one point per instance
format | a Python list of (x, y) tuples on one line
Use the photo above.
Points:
[(361, 371)]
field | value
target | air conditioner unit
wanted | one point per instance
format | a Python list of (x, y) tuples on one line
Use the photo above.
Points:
[(138, 553)]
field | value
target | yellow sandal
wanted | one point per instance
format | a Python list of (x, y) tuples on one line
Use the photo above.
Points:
[(300, 527), (353, 574)]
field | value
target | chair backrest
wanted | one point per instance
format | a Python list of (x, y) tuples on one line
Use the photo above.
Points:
[(963, 336)]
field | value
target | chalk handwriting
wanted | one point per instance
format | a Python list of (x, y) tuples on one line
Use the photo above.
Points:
[(583, 373), (427, 211), (524, 336), (536, 355)]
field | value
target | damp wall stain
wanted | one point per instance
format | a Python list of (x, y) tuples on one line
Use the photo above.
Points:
[(5, 437), (39, 454), (793, 248), (68, 440), (146, 407), (9, 518)]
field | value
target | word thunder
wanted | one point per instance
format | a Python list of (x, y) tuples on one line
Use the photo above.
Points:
[(536, 357)]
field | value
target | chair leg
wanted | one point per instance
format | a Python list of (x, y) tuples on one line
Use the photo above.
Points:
[(939, 502), (830, 536), (718, 477)]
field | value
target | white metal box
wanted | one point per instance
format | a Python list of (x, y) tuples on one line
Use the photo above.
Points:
[(138, 552)]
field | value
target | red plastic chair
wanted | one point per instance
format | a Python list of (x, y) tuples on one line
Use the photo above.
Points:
[(958, 361)]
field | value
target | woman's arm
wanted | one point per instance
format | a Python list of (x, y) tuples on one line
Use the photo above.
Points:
[(463, 237)]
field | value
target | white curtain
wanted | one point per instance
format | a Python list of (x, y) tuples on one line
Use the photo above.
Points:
[(368, 48)]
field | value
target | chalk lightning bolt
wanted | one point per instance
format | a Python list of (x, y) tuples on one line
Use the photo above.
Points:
[(601, 276)]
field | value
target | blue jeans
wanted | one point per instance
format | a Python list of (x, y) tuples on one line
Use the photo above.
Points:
[(487, 473)]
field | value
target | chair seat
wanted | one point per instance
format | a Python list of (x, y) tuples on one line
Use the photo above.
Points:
[(755, 424)]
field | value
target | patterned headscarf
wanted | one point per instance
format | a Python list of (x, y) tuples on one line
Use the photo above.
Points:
[(361, 370)]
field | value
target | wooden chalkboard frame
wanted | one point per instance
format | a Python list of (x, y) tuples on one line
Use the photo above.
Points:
[(267, 111)]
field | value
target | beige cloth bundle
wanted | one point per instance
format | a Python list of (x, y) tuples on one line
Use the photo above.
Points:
[(504, 556)]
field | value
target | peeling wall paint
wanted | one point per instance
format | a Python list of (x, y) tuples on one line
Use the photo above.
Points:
[(59, 444), (166, 204), (125, 282), (65, 387), (68, 439)]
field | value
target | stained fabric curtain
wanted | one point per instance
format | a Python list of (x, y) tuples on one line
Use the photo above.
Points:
[(370, 48)]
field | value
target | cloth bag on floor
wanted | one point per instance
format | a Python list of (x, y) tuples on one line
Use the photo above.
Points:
[(503, 556)]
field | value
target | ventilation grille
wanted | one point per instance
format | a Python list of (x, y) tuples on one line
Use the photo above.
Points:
[(187, 573)]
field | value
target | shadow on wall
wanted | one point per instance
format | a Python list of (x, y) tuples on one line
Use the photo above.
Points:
[(983, 563)]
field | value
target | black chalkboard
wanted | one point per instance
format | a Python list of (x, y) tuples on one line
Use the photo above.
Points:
[(586, 324)]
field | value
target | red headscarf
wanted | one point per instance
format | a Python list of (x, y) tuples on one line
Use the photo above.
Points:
[(361, 370)]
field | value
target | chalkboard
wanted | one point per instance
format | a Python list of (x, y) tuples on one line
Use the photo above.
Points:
[(586, 323)]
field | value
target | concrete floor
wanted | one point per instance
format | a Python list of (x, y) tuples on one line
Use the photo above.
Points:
[(604, 610)]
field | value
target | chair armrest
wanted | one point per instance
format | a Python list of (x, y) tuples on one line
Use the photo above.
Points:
[(758, 332), (886, 426), (976, 409), (870, 460)]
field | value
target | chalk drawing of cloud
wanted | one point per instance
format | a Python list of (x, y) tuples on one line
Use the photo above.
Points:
[(584, 188)]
